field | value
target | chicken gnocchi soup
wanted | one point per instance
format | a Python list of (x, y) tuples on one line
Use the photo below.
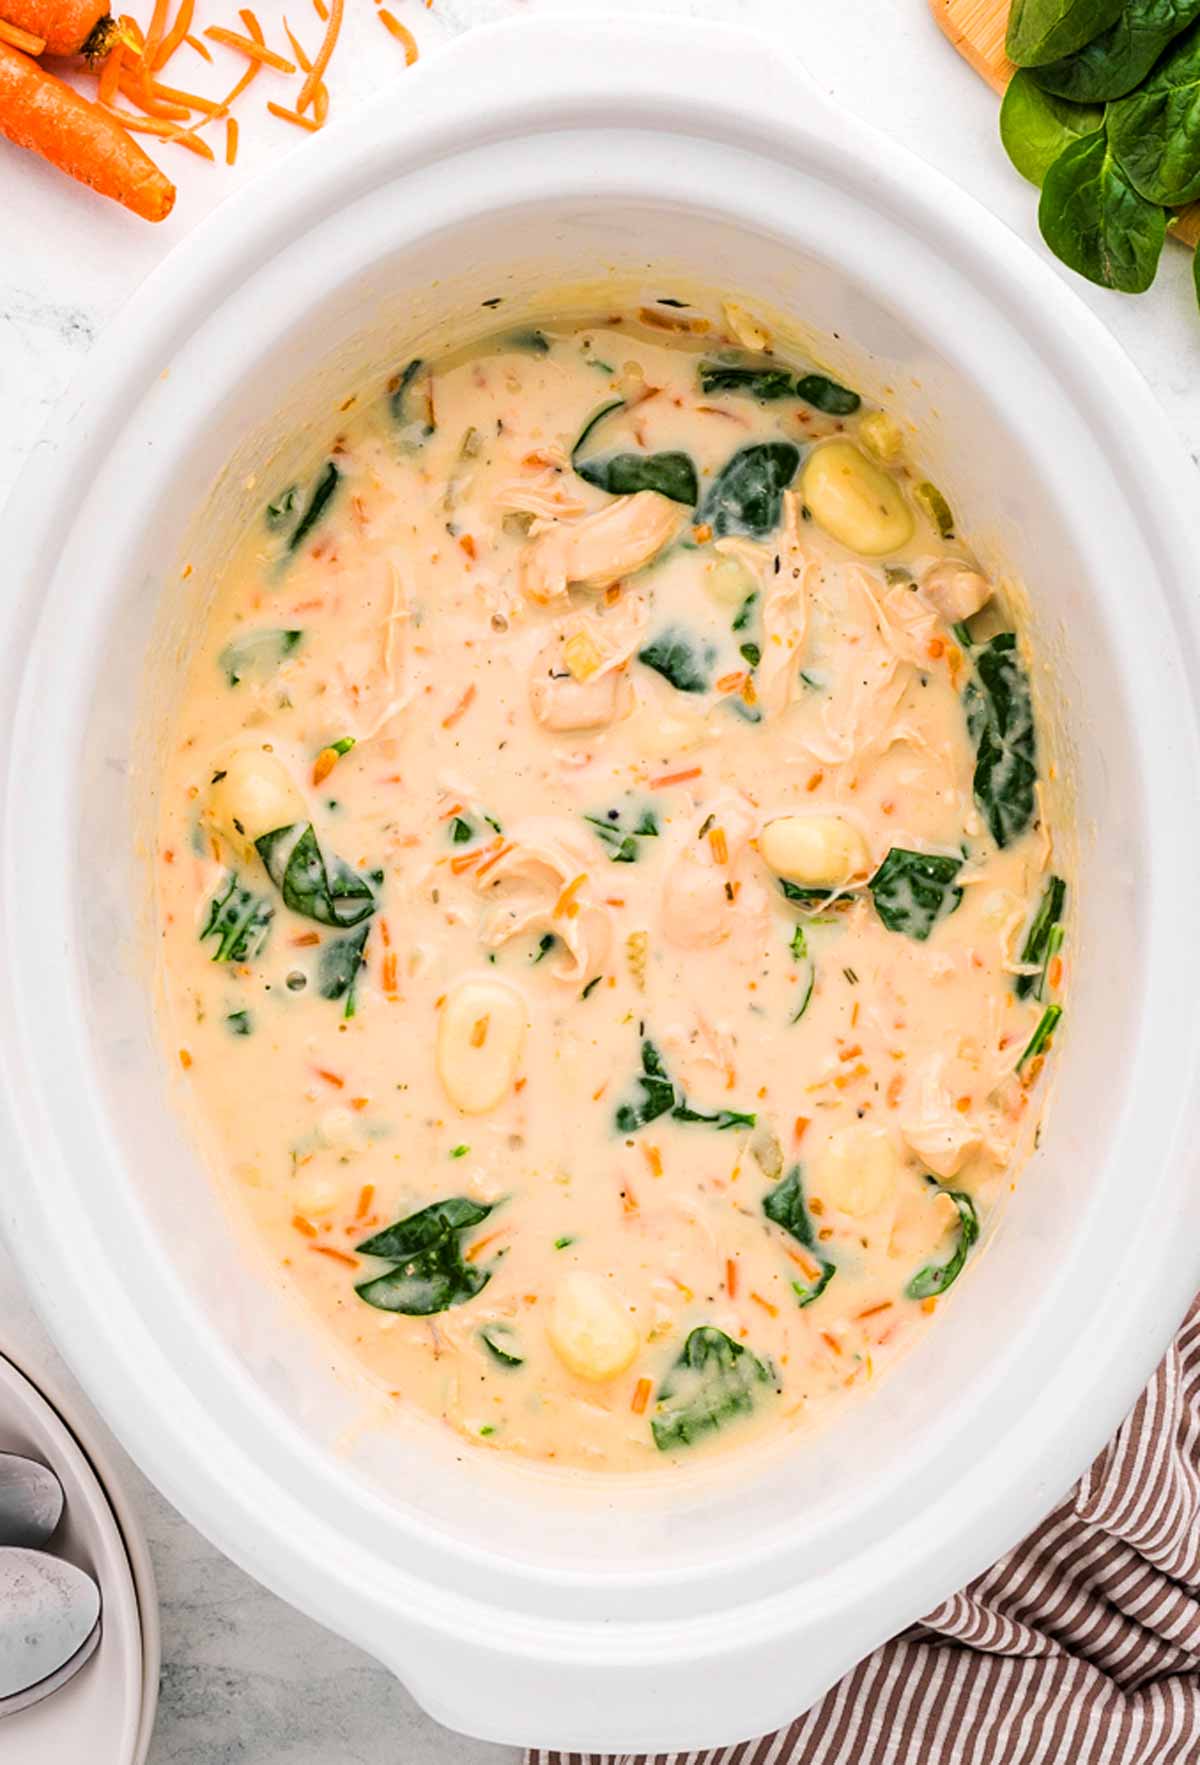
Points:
[(608, 921)]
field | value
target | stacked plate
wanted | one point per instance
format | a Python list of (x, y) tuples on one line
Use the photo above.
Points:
[(106, 1711)]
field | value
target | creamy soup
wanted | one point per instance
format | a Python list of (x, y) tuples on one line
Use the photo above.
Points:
[(607, 917)]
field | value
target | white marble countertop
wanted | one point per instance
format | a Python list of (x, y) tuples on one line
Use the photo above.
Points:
[(246, 1681)]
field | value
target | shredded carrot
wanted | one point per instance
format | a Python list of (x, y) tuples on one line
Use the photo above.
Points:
[(321, 112), (730, 683), (303, 1226), (462, 705), (832, 1341), (1055, 974), (185, 1059), (154, 36), (935, 648), (566, 905), (25, 41), (477, 1249), (304, 940), (463, 861), (874, 1310), (629, 1200), (814, 780), (851, 1053), (771, 1310), (500, 850), (249, 48), (402, 34), (297, 48), (929, 1305), (653, 1158), (479, 1030), (641, 1397), (719, 845), (231, 140), (324, 764), (192, 100), (467, 544), (731, 1277), (359, 1102), (366, 1196), (330, 1078), (351, 1262), (110, 75), (176, 35), (894, 1090), (702, 533), (198, 46), (133, 86), (321, 10), (669, 778), (798, 1127), (388, 975), (321, 60)]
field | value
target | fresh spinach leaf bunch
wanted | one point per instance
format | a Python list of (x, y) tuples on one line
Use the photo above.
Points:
[(713, 1380), (656, 1094), (1104, 115), (430, 1274)]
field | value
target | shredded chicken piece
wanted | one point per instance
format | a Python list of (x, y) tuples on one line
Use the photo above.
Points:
[(548, 496), (369, 673), (561, 701), (598, 549), (524, 886)]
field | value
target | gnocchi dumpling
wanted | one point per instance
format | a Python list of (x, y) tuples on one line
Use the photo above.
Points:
[(855, 501), (253, 794), (481, 1032), (590, 1329), (856, 1173), (816, 851)]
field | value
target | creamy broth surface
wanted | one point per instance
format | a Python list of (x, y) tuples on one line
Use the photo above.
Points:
[(524, 849)]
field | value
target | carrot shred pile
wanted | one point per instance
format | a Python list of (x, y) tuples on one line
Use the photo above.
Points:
[(131, 87)]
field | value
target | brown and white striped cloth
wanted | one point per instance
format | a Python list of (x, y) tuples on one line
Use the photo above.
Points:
[(1080, 1647)]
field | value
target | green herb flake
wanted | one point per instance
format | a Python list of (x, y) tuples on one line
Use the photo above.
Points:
[(1043, 939), (459, 1151), (591, 986), (563, 1243), (239, 1023), (1040, 1039), (318, 505)]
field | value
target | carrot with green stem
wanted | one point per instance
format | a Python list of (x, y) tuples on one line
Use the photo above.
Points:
[(66, 27), (50, 118)]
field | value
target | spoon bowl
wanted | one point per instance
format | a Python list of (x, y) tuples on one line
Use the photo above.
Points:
[(31, 1501), (48, 1611)]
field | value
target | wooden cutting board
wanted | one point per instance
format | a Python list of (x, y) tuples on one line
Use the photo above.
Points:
[(976, 28)]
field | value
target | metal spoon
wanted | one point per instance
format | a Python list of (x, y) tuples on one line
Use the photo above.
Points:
[(31, 1501), (49, 1625)]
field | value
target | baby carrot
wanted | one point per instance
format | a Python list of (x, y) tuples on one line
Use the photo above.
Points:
[(42, 114), (66, 27)]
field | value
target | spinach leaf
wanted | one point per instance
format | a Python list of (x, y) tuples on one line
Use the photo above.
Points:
[(675, 655), (784, 1205), (671, 474), (1092, 217), (914, 890), (283, 507), (744, 613), (257, 653), (765, 384), (431, 1275), (318, 503), (332, 894), (1035, 126), (657, 1095), (826, 395), (713, 1380), (461, 831), (1155, 131), (1038, 1042), (622, 842), (1043, 939), (239, 1023), (1044, 30), (338, 966), (240, 921), (802, 895), (746, 496), (999, 711), (1119, 59), (399, 388), (494, 1338), (934, 1278)]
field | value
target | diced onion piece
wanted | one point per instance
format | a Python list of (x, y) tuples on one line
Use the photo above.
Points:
[(882, 436), (816, 851), (590, 1330), (855, 501), (856, 1174), (253, 794), (750, 332), (478, 1070)]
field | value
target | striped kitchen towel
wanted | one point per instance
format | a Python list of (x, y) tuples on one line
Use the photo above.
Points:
[(1080, 1647)]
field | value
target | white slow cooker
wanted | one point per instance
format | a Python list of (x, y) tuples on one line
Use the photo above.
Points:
[(518, 1607)]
